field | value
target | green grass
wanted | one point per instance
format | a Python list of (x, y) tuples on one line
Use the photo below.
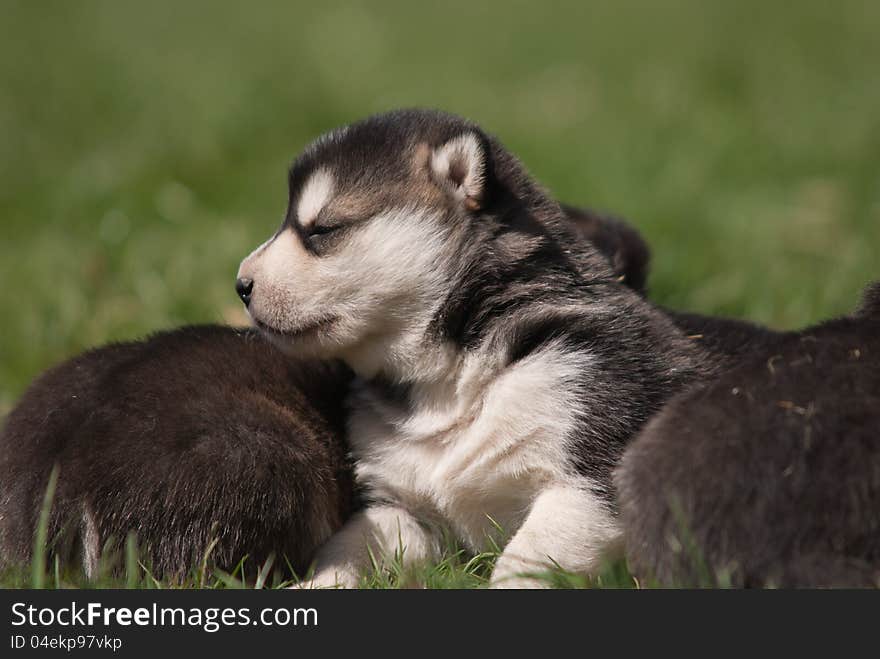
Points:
[(143, 146), (455, 571), (120, 566)]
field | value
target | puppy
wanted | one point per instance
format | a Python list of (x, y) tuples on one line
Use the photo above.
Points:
[(501, 366), (204, 438), (768, 475)]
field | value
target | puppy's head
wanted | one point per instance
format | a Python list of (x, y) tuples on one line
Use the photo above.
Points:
[(376, 215), (623, 246)]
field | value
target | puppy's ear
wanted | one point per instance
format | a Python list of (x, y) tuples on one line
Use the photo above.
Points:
[(619, 242), (460, 166), (870, 307)]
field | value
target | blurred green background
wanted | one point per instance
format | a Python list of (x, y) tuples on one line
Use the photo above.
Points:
[(143, 146)]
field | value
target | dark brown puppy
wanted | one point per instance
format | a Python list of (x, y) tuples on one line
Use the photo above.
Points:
[(770, 474), (200, 435)]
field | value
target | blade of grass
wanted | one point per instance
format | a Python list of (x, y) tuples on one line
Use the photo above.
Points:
[(132, 571), (38, 566), (264, 572), (203, 568)]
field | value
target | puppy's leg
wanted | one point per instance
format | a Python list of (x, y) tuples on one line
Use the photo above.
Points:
[(569, 526), (380, 531)]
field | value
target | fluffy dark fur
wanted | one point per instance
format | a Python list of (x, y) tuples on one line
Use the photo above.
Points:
[(194, 435), (770, 474), (728, 340), (623, 246)]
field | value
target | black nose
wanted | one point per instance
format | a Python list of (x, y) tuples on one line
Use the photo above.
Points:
[(244, 287)]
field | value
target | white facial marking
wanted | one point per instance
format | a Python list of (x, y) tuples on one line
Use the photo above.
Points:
[(315, 195), (259, 250), (278, 258)]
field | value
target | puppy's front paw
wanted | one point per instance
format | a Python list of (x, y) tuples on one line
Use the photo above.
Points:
[(516, 574), (330, 578)]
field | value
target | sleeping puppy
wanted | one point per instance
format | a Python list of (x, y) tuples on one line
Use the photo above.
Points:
[(204, 438), (768, 475), (501, 367)]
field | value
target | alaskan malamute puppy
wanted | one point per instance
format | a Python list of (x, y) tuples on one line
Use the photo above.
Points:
[(501, 367), (768, 475), (206, 442)]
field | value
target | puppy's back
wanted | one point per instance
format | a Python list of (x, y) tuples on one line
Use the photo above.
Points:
[(196, 435), (768, 475)]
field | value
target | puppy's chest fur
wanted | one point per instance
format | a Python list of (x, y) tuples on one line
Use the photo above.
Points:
[(471, 456)]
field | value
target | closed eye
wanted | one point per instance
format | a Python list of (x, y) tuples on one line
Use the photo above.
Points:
[(322, 229), (319, 237)]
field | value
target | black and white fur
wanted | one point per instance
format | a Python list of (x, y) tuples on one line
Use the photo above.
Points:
[(501, 367), (204, 438)]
